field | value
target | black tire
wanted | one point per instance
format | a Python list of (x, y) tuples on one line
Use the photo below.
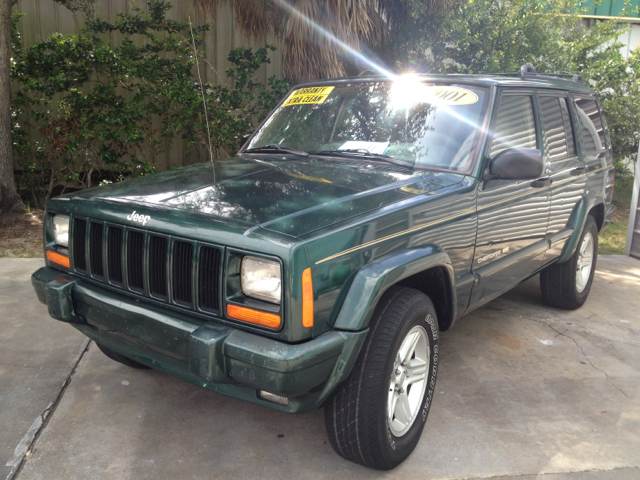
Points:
[(121, 358), (558, 281), (356, 414)]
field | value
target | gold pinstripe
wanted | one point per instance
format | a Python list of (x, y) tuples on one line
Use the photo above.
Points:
[(451, 217)]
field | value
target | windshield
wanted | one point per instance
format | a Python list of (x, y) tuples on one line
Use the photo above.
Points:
[(425, 124)]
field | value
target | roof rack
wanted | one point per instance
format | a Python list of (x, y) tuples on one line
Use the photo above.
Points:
[(367, 72), (528, 72)]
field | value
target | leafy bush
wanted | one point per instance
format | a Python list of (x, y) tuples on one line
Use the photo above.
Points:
[(97, 111), (623, 191)]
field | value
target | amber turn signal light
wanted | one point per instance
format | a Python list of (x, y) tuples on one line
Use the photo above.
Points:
[(256, 317), (58, 259), (307, 299)]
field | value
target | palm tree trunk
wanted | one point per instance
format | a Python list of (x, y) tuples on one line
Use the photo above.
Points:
[(8, 195)]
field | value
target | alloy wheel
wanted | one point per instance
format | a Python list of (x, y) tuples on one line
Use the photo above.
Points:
[(408, 381), (584, 263)]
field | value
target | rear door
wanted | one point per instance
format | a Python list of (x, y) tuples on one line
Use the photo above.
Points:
[(564, 166), (512, 215), (596, 146)]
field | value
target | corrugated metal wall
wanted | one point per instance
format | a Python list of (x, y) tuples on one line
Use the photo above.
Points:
[(633, 232), (630, 39), (610, 8), (45, 17)]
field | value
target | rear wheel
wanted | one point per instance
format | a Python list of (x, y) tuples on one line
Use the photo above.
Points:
[(567, 285), (121, 358), (376, 416)]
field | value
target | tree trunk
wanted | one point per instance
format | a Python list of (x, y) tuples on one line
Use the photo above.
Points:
[(8, 195)]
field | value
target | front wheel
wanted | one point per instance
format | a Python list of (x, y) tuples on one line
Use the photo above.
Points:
[(376, 416), (567, 285)]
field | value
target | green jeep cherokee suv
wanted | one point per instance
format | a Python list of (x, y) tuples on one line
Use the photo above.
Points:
[(318, 267)]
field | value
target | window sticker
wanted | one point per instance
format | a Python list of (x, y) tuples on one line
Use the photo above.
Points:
[(448, 95), (308, 95)]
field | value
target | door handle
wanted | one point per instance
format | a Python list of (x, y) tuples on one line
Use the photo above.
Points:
[(578, 171), (542, 182)]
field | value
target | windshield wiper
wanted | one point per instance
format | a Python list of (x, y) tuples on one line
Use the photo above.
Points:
[(276, 148), (362, 152)]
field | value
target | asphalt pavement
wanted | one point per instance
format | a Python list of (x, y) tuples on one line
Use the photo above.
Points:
[(523, 391)]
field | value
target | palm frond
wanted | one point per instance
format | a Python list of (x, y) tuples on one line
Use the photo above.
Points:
[(320, 36), (311, 52), (207, 7), (252, 17)]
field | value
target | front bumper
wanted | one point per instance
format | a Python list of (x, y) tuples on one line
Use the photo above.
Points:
[(224, 359)]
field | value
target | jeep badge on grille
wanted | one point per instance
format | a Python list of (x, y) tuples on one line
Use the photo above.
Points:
[(143, 219)]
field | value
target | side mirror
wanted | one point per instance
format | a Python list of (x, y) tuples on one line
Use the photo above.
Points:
[(516, 164), (245, 139)]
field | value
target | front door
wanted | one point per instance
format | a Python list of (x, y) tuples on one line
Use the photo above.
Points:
[(512, 215)]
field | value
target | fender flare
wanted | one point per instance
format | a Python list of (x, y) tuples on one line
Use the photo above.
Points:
[(375, 278), (576, 222)]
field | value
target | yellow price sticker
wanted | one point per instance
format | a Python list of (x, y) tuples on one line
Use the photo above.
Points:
[(309, 95)]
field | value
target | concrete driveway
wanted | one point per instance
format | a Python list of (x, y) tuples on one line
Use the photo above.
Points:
[(523, 390)]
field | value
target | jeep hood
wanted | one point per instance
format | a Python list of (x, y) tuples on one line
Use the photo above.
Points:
[(286, 195)]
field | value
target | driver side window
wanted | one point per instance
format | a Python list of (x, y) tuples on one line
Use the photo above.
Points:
[(514, 126)]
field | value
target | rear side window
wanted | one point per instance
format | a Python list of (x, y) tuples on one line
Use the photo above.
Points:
[(557, 131), (515, 126), (591, 128)]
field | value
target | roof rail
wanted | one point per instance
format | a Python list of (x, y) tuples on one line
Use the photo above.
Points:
[(528, 72), (525, 69), (486, 74)]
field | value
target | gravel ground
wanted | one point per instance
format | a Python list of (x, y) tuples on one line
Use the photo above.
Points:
[(21, 234)]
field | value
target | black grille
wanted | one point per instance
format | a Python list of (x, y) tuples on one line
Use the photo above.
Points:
[(209, 278), (135, 260), (145, 267), (79, 244), (114, 254), (158, 266), (95, 249), (182, 268)]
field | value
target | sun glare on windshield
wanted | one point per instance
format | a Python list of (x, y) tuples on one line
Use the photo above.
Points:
[(408, 120), (405, 91)]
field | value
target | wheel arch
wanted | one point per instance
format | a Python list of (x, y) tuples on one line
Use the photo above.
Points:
[(436, 284), (590, 205), (427, 269), (598, 213)]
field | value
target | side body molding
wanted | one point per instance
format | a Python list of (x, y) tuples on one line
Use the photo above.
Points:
[(576, 221), (374, 279)]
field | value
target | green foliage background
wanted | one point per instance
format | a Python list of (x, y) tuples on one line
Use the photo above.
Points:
[(492, 36), (105, 113)]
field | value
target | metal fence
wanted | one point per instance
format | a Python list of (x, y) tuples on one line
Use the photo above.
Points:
[(42, 18)]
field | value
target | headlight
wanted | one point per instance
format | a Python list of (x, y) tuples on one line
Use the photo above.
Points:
[(261, 279), (61, 230)]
